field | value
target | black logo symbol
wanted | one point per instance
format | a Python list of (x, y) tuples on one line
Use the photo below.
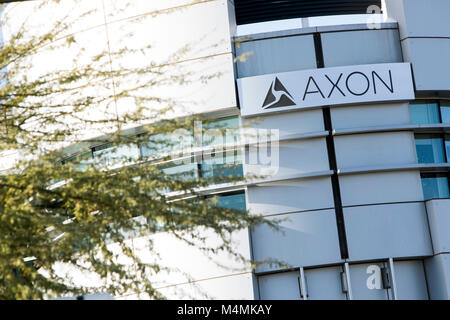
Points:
[(278, 96)]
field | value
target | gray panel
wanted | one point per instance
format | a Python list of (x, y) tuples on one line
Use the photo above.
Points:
[(289, 123), (370, 116), (437, 271), (301, 238), (439, 218), (290, 196), (279, 286), (361, 47), (324, 284), (366, 282), (375, 149), (291, 158), (410, 279), (383, 231), (380, 187), (419, 18), (276, 55), (431, 65)]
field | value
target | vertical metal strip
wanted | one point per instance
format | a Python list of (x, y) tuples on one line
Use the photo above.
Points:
[(328, 126), (349, 282), (393, 281), (303, 288)]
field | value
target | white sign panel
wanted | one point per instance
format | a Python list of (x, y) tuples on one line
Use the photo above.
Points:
[(322, 87)]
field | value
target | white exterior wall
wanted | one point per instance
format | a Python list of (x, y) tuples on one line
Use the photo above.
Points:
[(113, 24)]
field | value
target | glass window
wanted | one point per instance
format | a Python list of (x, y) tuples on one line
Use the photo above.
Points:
[(224, 123), (216, 131), (109, 154), (430, 148), (435, 186), (223, 165), (81, 161), (423, 113), (182, 172), (445, 111), (447, 146), (232, 201), (164, 143)]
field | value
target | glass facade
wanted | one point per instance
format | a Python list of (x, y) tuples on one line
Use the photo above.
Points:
[(430, 112), (214, 163), (233, 201), (445, 111), (435, 186), (430, 148), (447, 145), (425, 113)]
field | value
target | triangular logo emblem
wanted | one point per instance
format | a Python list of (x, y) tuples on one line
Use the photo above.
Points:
[(278, 96)]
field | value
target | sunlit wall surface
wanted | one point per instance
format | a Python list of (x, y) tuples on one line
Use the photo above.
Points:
[(190, 38), (363, 189)]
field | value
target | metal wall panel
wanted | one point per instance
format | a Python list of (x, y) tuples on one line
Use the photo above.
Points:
[(437, 270), (380, 187), (290, 196), (366, 281), (298, 122), (384, 231), (425, 31), (290, 158), (439, 218), (324, 283), (372, 115), (418, 18), (276, 55), (429, 58), (304, 239), (375, 149), (411, 282), (361, 47), (279, 286)]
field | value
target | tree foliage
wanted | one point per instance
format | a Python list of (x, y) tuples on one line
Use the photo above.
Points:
[(63, 213)]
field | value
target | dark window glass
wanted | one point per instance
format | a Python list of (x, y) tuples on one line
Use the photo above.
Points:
[(430, 148), (232, 201), (447, 146), (424, 113), (445, 111), (435, 186)]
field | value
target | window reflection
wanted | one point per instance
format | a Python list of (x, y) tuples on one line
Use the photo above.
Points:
[(232, 201), (81, 161), (430, 148), (424, 113), (223, 165), (108, 154), (445, 111), (435, 186)]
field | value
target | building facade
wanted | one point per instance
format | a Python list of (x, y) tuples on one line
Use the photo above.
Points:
[(360, 162)]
